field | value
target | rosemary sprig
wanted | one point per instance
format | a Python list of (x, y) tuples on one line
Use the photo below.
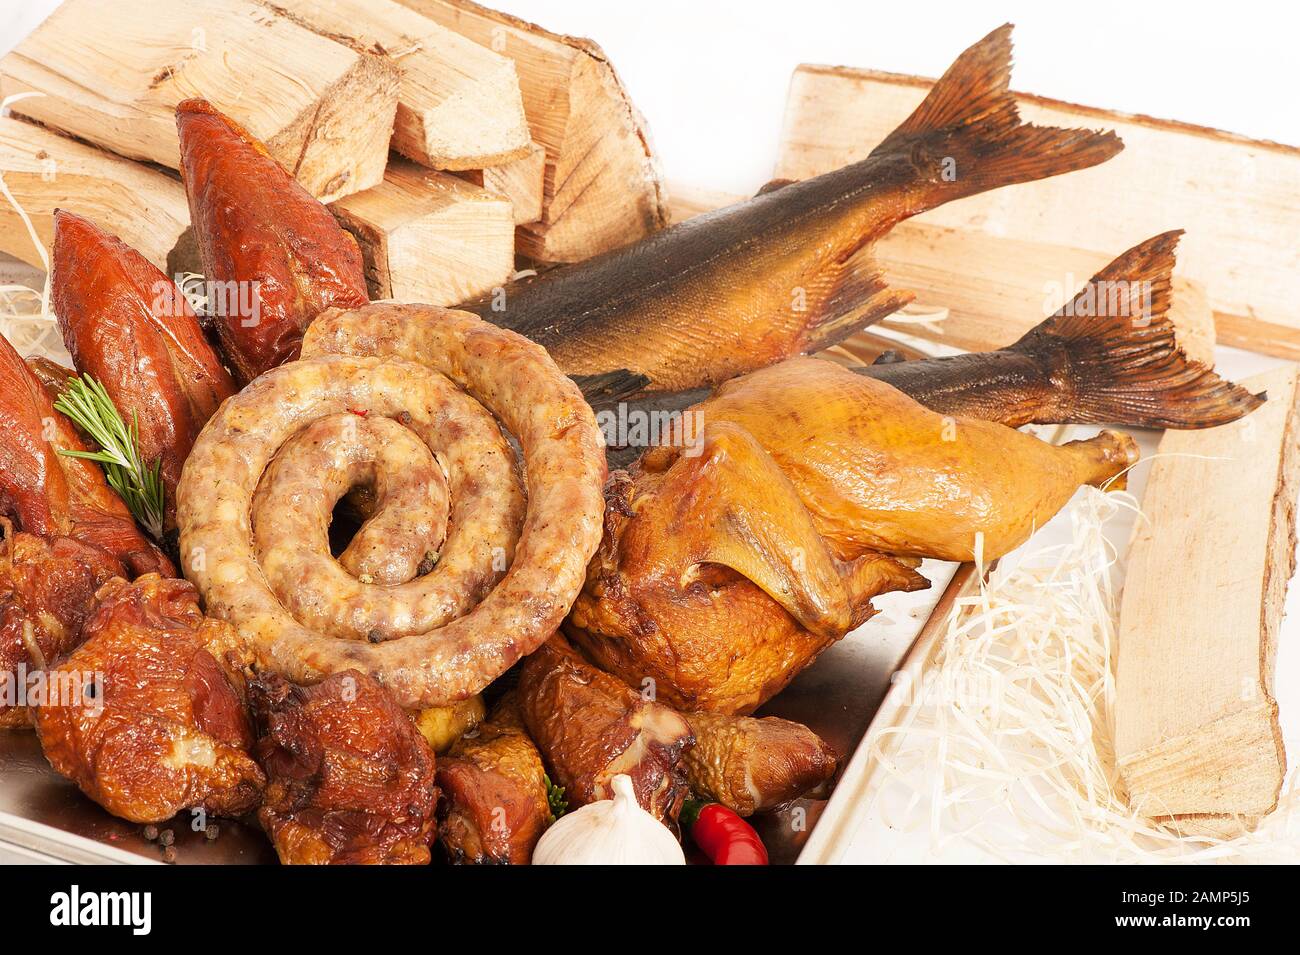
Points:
[(139, 485), (555, 800)]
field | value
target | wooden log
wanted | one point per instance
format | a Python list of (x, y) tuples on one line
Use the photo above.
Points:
[(458, 104), (112, 74), (994, 289), (429, 236), (1196, 730), (1236, 197), (143, 207), (603, 187), (522, 181)]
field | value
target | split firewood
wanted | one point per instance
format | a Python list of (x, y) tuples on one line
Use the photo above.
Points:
[(429, 236), (1234, 196), (522, 181), (1196, 724), (993, 289), (458, 105), (143, 207), (603, 188), (112, 74)]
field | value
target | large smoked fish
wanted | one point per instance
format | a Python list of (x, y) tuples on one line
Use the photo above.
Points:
[(1110, 356), (790, 270)]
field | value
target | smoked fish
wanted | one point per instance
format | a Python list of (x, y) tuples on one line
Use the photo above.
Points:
[(1110, 356), (790, 270)]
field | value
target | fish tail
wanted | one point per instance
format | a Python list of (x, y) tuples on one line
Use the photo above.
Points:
[(1113, 356), (968, 138)]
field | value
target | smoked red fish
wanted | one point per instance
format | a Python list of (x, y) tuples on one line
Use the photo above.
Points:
[(127, 324), (277, 255)]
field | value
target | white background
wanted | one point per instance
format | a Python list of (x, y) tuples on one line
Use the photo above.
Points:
[(711, 76)]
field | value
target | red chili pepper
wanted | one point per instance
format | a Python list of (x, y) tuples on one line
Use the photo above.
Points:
[(360, 412), (722, 835)]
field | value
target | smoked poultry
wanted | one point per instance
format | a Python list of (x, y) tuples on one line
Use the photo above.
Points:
[(47, 589), (724, 572), (591, 726), (729, 564), (494, 804), (54, 495), (273, 255), (755, 765), (127, 325), (349, 778), (147, 716), (789, 270)]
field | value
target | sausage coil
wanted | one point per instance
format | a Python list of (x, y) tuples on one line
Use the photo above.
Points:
[(407, 399)]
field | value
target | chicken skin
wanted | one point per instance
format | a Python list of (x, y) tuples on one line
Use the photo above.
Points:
[(51, 494), (494, 804), (726, 568), (751, 765), (591, 727), (350, 777), (128, 325), (147, 716), (47, 589), (279, 255)]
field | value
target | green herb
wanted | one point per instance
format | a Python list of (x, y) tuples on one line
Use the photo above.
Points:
[(555, 798), (140, 486)]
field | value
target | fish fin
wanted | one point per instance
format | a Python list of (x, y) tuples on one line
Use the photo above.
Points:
[(859, 296), (968, 130), (609, 387), (772, 185), (1124, 365)]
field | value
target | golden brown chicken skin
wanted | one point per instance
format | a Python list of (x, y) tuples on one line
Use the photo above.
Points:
[(494, 804), (591, 727), (147, 716), (350, 778), (755, 765), (727, 567), (51, 494), (280, 255), (47, 589), (125, 323)]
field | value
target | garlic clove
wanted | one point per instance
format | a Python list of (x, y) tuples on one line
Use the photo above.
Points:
[(609, 832)]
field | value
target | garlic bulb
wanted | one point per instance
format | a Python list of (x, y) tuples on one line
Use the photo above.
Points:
[(610, 832)]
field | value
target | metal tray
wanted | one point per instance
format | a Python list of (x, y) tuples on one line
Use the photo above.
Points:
[(44, 818)]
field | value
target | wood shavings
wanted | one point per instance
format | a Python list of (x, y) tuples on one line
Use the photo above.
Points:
[(1008, 746)]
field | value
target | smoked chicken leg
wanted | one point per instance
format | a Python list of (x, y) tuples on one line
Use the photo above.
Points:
[(494, 805), (726, 568), (47, 589), (350, 780)]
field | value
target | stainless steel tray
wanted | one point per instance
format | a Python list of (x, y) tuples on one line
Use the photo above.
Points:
[(44, 818)]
